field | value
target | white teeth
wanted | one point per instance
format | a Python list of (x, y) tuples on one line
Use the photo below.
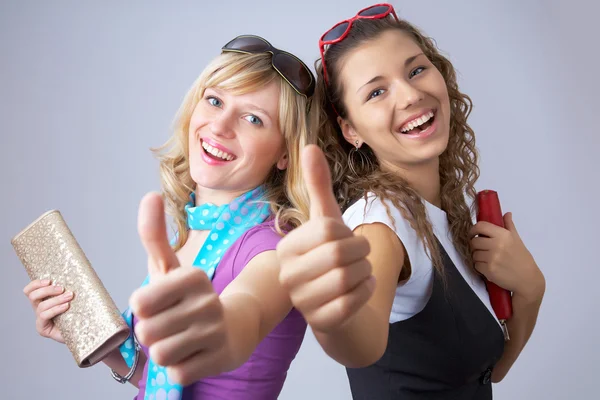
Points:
[(417, 122), (216, 152)]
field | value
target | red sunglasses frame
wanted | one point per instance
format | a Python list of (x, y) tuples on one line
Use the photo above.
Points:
[(323, 43)]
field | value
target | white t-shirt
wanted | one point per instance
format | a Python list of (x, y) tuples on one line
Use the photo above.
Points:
[(413, 294)]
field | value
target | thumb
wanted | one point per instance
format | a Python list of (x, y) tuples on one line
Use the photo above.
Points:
[(508, 222), (318, 184), (153, 234)]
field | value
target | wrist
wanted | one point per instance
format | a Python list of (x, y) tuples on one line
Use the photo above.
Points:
[(132, 369), (533, 290), (341, 328)]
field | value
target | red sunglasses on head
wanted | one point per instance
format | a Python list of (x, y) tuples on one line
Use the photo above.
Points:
[(341, 29)]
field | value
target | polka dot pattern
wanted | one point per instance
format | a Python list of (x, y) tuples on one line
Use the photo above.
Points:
[(174, 394), (161, 394)]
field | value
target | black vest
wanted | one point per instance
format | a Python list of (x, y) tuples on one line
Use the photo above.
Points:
[(446, 351)]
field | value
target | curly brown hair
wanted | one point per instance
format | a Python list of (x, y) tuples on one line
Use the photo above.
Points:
[(356, 173)]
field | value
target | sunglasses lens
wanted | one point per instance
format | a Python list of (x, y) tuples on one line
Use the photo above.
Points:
[(295, 72), (376, 10), (247, 43), (336, 32)]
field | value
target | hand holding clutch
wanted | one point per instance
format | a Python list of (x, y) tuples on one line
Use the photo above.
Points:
[(89, 323)]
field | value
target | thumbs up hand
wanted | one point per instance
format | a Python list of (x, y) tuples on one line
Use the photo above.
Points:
[(180, 317), (153, 234), (323, 264)]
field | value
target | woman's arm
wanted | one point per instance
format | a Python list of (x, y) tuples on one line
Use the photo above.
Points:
[(254, 303), (197, 333), (342, 282), (187, 327), (114, 360), (501, 256), (520, 327)]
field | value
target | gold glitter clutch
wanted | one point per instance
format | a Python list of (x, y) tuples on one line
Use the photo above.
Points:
[(92, 327)]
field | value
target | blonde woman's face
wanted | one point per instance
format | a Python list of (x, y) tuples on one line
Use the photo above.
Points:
[(235, 140), (397, 101)]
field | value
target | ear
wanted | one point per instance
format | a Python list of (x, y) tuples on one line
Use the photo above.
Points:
[(349, 133), (282, 164)]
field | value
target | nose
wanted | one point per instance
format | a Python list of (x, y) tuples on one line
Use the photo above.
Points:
[(407, 95), (222, 126)]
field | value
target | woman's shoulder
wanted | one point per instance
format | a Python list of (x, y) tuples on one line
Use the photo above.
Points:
[(373, 209), (263, 232), (256, 240)]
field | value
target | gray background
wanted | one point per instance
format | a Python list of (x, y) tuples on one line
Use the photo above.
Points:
[(85, 90)]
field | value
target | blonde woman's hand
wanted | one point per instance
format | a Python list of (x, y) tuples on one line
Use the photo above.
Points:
[(47, 301), (180, 317)]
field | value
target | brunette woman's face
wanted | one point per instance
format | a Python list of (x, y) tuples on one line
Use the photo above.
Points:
[(396, 100)]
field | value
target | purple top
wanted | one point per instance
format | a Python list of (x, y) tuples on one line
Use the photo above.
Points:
[(263, 375)]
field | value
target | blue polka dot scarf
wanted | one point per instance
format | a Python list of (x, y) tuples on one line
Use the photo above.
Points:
[(226, 224)]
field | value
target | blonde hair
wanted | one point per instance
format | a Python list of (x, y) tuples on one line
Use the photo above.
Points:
[(240, 74), (355, 173)]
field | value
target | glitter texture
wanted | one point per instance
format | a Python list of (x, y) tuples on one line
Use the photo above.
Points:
[(92, 327)]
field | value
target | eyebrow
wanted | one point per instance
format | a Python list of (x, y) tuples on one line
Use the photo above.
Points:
[(407, 62)]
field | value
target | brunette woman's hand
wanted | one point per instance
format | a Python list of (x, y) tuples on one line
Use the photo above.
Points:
[(323, 264), (501, 256)]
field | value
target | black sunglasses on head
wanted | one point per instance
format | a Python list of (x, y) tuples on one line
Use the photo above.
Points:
[(290, 67)]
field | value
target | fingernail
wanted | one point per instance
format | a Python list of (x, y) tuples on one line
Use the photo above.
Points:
[(58, 288), (67, 295), (65, 305), (45, 281)]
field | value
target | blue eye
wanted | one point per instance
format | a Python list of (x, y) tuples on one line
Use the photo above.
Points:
[(416, 71), (253, 119), (376, 93), (213, 101)]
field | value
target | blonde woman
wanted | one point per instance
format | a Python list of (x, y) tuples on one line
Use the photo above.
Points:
[(212, 318)]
